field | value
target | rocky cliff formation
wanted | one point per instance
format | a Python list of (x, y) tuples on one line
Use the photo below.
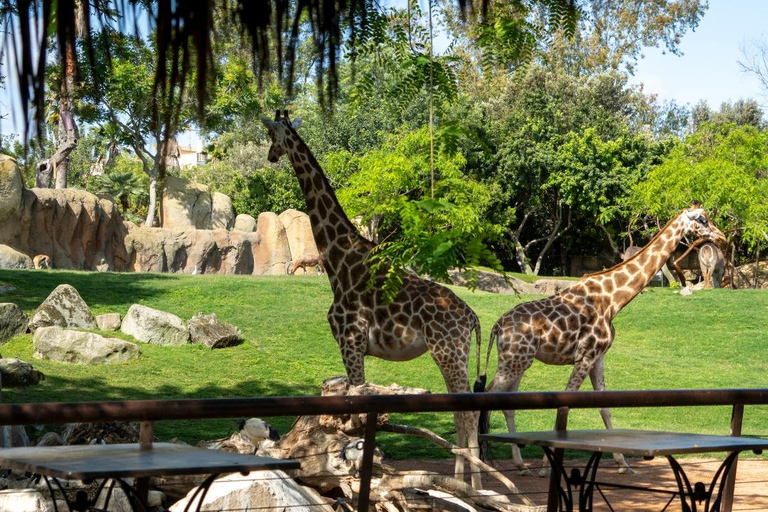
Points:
[(82, 231)]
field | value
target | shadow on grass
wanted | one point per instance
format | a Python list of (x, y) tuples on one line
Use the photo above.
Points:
[(104, 288)]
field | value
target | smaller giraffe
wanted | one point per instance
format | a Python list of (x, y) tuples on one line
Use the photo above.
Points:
[(575, 326), (712, 263), (307, 260), (41, 261)]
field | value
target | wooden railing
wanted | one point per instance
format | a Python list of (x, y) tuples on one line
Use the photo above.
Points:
[(149, 411)]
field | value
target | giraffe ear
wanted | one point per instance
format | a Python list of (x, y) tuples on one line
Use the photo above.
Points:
[(267, 122), (296, 123)]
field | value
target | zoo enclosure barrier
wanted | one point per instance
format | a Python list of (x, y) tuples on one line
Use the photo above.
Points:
[(149, 411)]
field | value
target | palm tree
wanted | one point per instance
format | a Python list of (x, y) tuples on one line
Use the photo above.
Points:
[(122, 185)]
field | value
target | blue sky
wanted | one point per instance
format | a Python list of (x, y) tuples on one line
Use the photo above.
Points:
[(708, 68)]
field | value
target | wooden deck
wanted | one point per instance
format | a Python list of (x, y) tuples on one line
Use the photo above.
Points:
[(751, 481)]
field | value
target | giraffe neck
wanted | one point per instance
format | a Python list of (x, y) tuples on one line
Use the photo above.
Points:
[(617, 286), (329, 222)]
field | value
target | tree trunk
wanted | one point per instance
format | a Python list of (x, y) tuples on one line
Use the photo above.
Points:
[(67, 128), (522, 259), (152, 197)]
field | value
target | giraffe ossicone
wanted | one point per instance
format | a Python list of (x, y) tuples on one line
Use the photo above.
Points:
[(575, 326), (423, 317)]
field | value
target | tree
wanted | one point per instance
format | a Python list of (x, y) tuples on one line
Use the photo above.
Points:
[(121, 94), (567, 153), (723, 166), (184, 39)]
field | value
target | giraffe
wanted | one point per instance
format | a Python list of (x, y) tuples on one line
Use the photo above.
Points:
[(574, 326), (424, 316)]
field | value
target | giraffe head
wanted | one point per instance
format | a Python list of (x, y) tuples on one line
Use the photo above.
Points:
[(697, 224), (282, 133)]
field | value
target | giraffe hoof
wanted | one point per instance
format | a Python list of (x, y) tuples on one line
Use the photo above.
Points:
[(524, 472), (544, 472), (626, 470)]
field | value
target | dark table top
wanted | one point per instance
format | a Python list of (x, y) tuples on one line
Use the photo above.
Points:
[(636, 442), (90, 462)]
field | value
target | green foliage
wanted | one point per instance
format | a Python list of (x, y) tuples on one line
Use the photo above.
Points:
[(126, 182), (723, 166), (431, 241)]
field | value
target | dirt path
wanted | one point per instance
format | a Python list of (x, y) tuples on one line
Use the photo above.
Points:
[(751, 482)]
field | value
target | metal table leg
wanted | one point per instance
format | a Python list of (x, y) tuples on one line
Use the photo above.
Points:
[(711, 496), (585, 482), (81, 502)]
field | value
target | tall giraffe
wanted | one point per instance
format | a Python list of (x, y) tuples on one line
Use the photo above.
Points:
[(424, 316), (574, 327)]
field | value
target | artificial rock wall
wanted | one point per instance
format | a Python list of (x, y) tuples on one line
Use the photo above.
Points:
[(82, 231)]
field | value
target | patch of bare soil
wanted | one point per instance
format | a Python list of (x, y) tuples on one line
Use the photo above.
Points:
[(751, 482)]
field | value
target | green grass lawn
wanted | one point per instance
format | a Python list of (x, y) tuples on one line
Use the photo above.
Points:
[(713, 339)]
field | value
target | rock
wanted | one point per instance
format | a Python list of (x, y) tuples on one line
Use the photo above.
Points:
[(222, 213), (18, 374), (69, 225), (119, 502), (11, 187), (5, 288), (298, 230), (108, 321), (245, 222), (551, 286), (23, 500), (64, 308), (268, 490), (185, 205), (78, 347), (153, 326), (192, 251), (13, 321), (272, 254), (11, 258), (209, 331)]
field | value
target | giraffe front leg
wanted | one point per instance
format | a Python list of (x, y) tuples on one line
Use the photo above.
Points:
[(597, 376), (352, 344)]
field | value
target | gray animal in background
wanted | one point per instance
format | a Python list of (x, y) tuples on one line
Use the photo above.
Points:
[(712, 264)]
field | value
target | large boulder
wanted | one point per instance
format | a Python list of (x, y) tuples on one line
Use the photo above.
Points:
[(11, 258), (272, 254), (257, 490), (154, 326), (209, 331), (18, 374), (186, 205), (298, 230), (78, 347), (245, 222), (77, 229), (109, 321), (222, 213), (11, 186), (64, 308), (24, 500), (13, 321)]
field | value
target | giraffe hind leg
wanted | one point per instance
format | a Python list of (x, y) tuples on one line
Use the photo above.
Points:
[(597, 376)]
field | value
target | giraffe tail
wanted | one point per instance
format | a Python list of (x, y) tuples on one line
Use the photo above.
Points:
[(479, 385)]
